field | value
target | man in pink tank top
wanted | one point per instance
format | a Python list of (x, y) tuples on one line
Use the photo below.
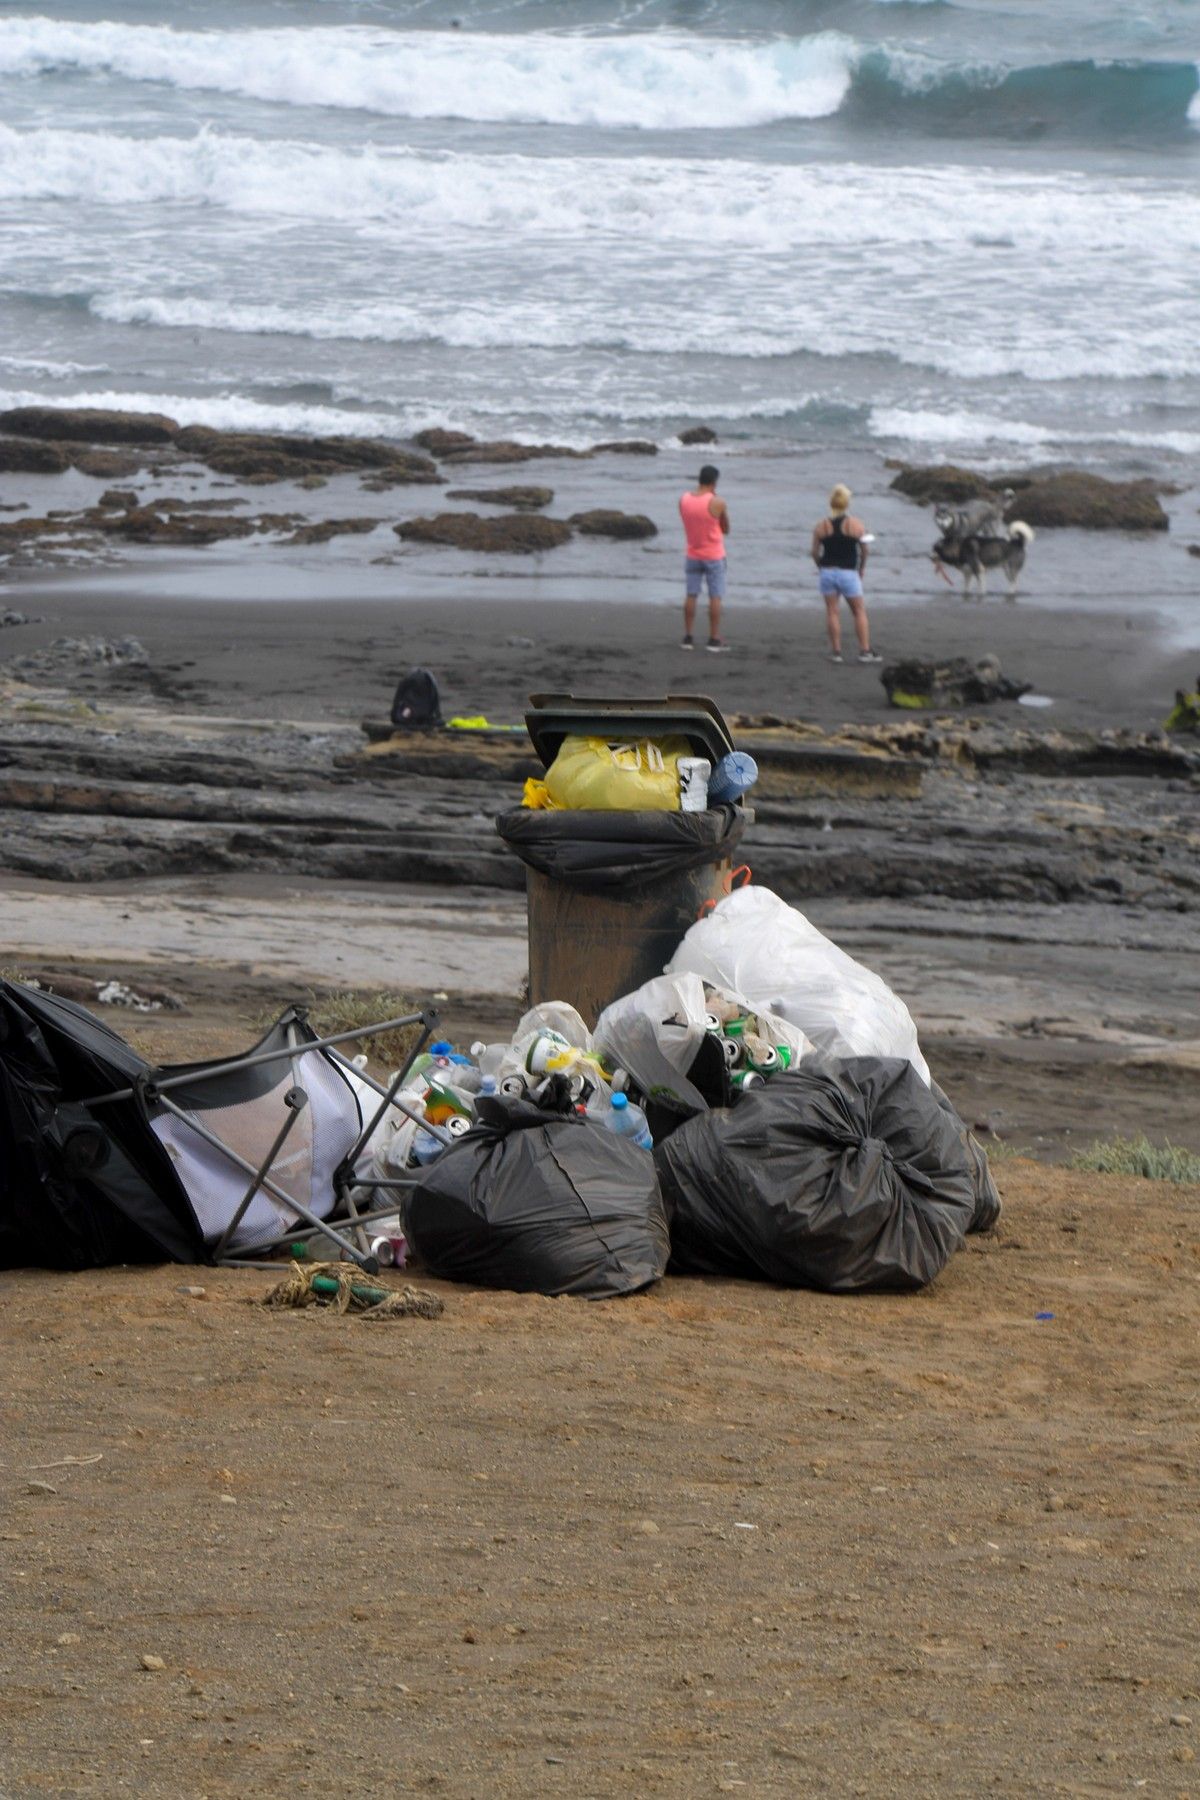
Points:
[(705, 526)]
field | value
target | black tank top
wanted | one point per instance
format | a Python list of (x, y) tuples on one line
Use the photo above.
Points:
[(838, 549)]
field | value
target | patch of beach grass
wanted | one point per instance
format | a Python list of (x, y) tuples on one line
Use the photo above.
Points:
[(352, 1009), (1138, 1156), (998, 1149)]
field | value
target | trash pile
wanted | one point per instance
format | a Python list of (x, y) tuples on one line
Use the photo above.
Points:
[(751, 1101), (761, 1109)]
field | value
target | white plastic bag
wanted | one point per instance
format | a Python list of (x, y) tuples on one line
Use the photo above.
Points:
[(755, 945), (655, 1033)]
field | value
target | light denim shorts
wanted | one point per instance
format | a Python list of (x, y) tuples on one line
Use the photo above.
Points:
[(696, 570), (846, 582)]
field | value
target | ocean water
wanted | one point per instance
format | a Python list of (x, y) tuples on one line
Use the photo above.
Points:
[(964, 228)]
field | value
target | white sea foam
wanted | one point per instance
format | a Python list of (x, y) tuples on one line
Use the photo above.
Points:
[(659, 80), (976, 428), (979, 212)]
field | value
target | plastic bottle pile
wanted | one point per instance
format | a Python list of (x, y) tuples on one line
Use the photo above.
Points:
[(444, 1088)]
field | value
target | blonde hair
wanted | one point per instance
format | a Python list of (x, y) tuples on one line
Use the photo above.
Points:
[(839, 500)]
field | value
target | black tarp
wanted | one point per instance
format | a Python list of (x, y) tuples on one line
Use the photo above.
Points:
[(845, 1174), (602, 851), (541, 1203), (80, 1187)]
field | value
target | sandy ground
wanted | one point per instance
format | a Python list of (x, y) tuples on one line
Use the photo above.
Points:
[(720, 1537), (716, 1538), (336, 655)]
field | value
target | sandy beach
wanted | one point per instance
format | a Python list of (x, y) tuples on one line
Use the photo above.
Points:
[(282, 287)]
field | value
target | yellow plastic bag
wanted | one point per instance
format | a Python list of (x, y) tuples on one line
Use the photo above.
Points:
[(590, 774), (536, 796)]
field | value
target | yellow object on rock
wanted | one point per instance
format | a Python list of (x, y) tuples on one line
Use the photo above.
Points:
[(590, 774)]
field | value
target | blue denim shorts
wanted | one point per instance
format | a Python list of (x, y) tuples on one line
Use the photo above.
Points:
[(846, 582), (697, 570)]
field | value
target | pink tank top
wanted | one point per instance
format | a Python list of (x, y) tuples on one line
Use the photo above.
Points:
[(705, 539)]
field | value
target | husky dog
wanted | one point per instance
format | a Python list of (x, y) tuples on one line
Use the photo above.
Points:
[(965, 547)]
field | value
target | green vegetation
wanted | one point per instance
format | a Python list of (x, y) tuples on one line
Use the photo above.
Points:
[(348, 1011), (1138, 1156)]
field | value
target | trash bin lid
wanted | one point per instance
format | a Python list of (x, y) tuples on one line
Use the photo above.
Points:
[(553, 717)]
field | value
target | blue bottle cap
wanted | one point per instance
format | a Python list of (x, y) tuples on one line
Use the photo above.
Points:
[(441, 1048), (620, 1100)]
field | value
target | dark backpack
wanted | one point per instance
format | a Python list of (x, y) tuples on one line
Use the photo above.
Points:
[(416, 706)]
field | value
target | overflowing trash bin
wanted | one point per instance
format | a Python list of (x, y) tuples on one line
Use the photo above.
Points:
[(619, 857)]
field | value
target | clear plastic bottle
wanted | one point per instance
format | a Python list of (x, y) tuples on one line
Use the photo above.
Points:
[(628, 1121), (426, 1148)]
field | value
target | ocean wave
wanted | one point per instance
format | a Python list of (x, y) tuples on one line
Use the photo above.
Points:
[(642, 81), (649, 80), (893, 90), (957, 428), (651, 200), (1047, 351)]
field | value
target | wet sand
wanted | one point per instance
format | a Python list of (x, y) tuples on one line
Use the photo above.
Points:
[(338, 658)]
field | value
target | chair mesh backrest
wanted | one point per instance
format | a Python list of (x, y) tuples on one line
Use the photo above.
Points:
[(318, 1142)]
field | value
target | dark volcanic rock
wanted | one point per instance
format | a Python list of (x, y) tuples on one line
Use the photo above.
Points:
[(515, 533), (915, 684), (505, 450), (698, 434), (280, 456), (112, 498), (944, 482), (1090, 503), (321, 530), (438, 441), (627, 447), (24, 456), (105, 465), (1043, 497), (521, 499), (161, 525), (88, 425), (602, 523)]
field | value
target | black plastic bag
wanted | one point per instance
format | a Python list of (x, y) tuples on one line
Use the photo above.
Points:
[(541, 1203), (416, 704), (599, 851), (843, 1174)]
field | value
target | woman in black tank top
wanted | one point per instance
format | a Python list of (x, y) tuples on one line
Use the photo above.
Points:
[(839, 550)]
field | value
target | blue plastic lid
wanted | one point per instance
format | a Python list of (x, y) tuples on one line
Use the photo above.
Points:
[(620, 1100)]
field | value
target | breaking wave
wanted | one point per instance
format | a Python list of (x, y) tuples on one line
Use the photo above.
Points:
[(640, 81), (651, 200), (954, 428)]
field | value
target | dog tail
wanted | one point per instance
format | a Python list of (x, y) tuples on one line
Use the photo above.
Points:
[(1018, 529)]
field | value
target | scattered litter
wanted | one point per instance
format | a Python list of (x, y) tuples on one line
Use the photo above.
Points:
[(118, 993), (1043, 1315), (1034, 700), (741, 1525), (71, 1462), (310, 1284)]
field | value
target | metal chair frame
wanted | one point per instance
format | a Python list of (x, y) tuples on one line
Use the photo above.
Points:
[(345, 1226)]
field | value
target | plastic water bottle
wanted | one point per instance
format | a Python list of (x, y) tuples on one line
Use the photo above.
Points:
[(628, 1121), (733, 776), (426, 1149)]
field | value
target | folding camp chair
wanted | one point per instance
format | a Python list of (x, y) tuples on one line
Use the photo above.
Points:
[(267, 1145)]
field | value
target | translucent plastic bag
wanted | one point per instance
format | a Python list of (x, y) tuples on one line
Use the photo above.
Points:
[(755, 945), (591, 775)]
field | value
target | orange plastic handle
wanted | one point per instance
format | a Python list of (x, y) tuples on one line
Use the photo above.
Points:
[(731, 880)]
